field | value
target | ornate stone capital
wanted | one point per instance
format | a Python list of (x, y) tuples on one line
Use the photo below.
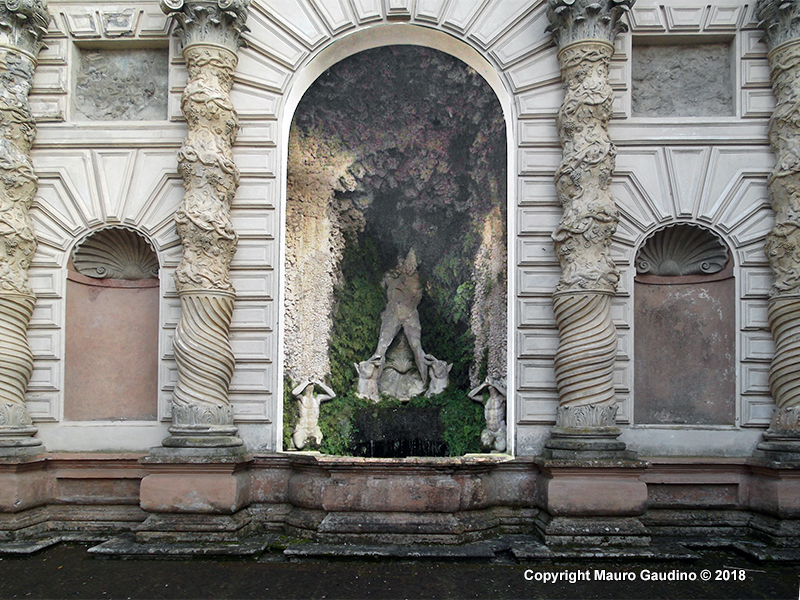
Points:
[(211, 22), (780, 20), (579, 20), (23, 24)]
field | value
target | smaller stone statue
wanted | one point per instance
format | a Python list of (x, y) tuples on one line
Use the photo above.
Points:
[(494, 436), (439, 375), (368, 373), (307, 430)]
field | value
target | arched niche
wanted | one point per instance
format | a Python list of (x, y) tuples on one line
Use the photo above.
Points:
[(112, 300), (353, 213), (685, 329)]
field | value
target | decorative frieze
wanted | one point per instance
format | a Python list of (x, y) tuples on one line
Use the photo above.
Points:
[(780, 20), (202, 413), (22, 25), (584, 365)]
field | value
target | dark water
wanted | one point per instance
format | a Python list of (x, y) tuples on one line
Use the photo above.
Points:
[(67, 571), (390, 432)]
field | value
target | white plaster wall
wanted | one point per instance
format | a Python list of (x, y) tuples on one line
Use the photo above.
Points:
[(711, 170)]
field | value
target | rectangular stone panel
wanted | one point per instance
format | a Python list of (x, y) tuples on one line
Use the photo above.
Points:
[(116, 85), (682, 80)]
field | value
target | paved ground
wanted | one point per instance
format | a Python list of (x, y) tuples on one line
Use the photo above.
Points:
[(68, 571)]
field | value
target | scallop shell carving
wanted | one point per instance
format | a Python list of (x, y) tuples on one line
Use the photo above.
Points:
[(116, 253), (682, 250)]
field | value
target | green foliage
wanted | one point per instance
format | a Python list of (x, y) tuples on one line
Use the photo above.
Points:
[(462, 420), (336, 421), (359, 300)]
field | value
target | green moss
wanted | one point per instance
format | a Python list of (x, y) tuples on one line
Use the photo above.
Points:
[(359, 300), (462, 420)]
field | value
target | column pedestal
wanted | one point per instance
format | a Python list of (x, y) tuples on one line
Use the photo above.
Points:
[(195, 497), (592, 503)]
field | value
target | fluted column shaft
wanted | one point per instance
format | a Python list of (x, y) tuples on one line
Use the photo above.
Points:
[(584, 31), (22, 26), (780, 22), (202, 412)]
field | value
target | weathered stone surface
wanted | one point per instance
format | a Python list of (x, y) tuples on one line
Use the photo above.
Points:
[(23, 26), (128, 84), (682, 81), (685, 341)]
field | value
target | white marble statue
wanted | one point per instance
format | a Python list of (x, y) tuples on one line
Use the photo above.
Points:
[(439, 375), (307, 430), (368, 372), (494, 435)]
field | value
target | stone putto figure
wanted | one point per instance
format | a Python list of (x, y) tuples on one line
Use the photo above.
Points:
[(307, 430), (368, 372), (439, 373), (494, 435)]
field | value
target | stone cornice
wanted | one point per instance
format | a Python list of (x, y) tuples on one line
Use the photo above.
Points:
[(573, 21), (211, 22), (23, 24), (780, 20)]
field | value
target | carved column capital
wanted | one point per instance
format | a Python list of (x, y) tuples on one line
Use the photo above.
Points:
[(209, 22), (574, 21), (23, 24), (780, 20)]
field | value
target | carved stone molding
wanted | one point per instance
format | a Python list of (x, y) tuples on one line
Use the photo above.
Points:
[(22, 25), (115, 253), (580, 20), (679, 250), (202, 414), (584, 365)]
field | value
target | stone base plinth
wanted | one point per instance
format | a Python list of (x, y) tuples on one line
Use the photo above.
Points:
[(401, 501), (779, 447), (592, 502), (590, 443), (195, 481)]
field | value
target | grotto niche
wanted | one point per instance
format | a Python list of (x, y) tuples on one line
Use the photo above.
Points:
[(397, 158)]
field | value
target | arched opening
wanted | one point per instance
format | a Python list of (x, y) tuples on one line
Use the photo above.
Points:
[(111, 361), (685, 324), (395, 152)]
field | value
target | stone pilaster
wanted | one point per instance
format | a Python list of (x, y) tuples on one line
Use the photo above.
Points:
[(23, 23), (781, 23), (211, 34), (586, 420)]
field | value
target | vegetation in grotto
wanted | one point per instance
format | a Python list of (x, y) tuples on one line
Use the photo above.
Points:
[(396, 148)]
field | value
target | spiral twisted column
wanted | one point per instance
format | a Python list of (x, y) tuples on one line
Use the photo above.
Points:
[(202, 413), (779, 19), (23, 23), (586, 419)]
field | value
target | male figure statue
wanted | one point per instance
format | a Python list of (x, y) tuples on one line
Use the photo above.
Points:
[(403, 294)]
